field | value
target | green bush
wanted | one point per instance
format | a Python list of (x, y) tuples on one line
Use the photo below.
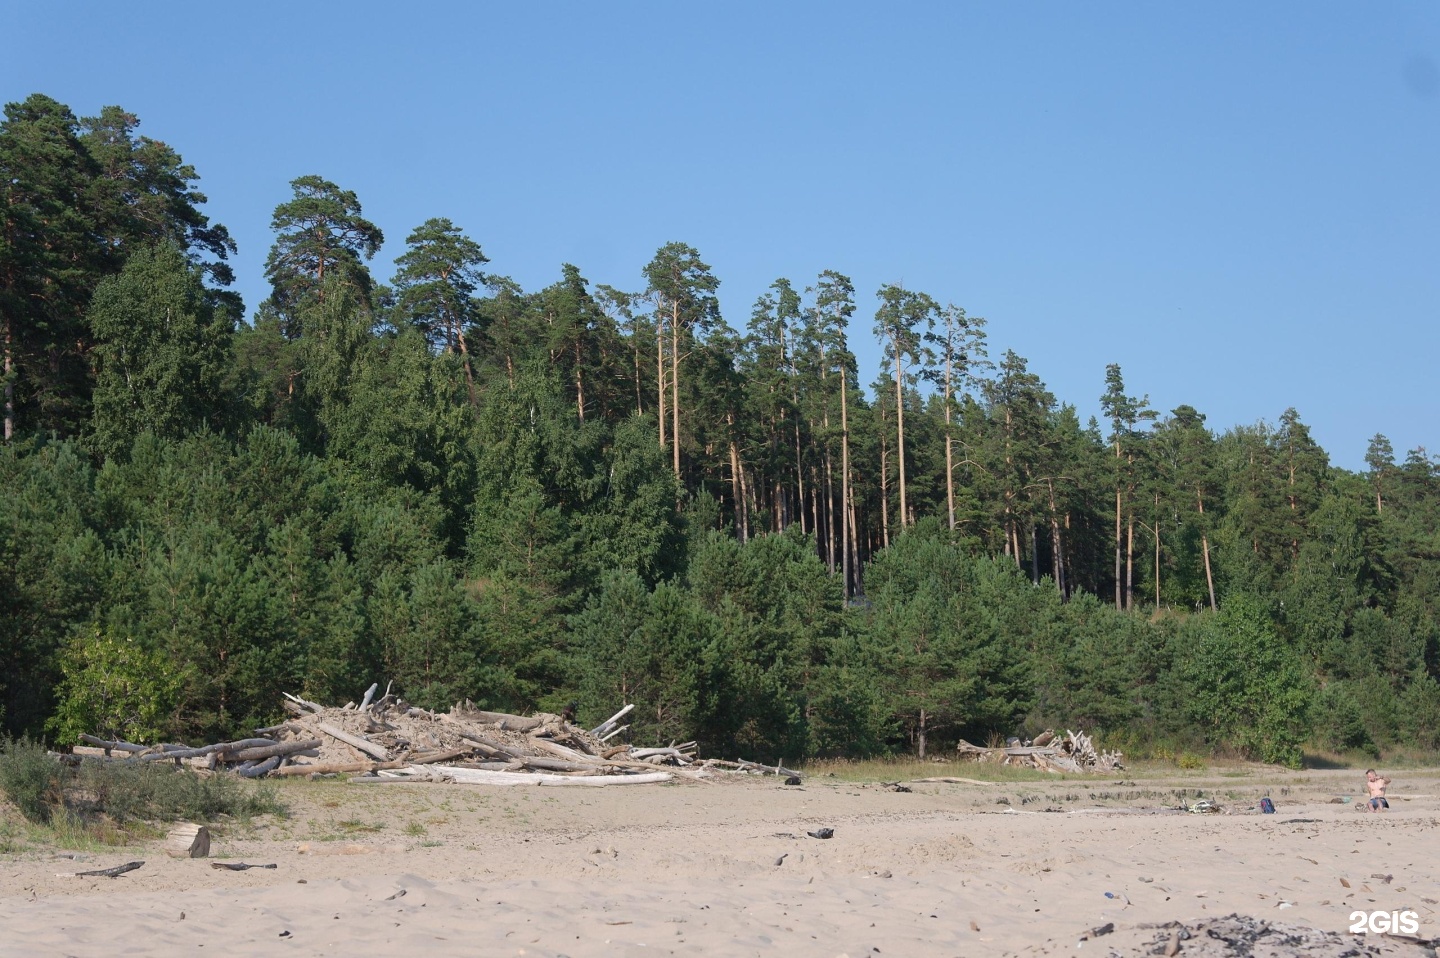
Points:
[(115, 689), (1246, 689), (31, 779), (47, 791), (1338, 722)]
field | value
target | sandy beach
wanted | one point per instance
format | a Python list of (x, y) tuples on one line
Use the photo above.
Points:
[(727, 868)]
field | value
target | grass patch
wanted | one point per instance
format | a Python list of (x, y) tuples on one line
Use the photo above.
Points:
[(355, 826), (98, 804)]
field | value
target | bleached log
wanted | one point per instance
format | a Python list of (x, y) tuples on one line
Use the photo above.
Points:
[(643, 753), (369, 694), (554, 764), (603, 726), (506, 721), (354, 741), (560, 751), (203, 750), (116, 746), (488, 745), (257, 753), (449, 755), (317, 709), (765, 769), (261, 768), (188, 840), (336, 768), (477, 776), (611, 734)]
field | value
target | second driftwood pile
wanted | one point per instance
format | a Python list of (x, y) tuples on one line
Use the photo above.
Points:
[(1075, 752)]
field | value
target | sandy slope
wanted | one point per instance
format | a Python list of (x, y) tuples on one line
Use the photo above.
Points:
[(691, 869)]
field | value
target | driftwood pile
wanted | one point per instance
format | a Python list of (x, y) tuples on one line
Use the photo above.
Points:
[(388, 740), (1075, 752)]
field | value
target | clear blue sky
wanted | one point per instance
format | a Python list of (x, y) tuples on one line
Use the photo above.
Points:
[(1237, 202)]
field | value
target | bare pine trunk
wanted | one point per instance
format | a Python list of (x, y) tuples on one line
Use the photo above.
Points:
[(814, 510), (1205, 551), (884, 489), (465, 361), (829, 512), (675, 384), (949, 457), (847, 531), (1130, 563), (9, 384), (799, 479), (1156, 531), (920, 735), (900, 434), (660, 377), (1118, 603), (853, 585), (579, 385), (639, 402), (1057, 562), (737, 491)]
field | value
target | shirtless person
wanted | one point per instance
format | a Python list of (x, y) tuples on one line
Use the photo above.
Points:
[(1375, 785)]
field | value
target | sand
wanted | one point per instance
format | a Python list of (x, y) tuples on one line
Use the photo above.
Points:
[(727, 868)]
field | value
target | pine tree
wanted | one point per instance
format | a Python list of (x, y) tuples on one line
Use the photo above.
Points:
[(436, 281)]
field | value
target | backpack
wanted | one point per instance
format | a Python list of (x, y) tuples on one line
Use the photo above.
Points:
[(1267, 806)]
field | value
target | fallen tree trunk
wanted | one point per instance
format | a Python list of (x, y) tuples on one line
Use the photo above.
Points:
[(477, 776), (336, 768), (273, 749), (354, 741)]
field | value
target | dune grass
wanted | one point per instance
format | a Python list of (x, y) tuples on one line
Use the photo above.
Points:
[(99, 804)]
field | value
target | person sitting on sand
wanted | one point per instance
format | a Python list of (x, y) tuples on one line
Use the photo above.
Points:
[(1376, 787)]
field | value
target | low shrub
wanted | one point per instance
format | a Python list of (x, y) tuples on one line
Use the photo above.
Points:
[(31, 779), (47, 791)]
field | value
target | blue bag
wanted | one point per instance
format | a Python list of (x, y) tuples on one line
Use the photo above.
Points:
[(1267, 806)]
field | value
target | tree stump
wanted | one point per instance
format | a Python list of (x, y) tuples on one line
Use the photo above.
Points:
[(188, 841)]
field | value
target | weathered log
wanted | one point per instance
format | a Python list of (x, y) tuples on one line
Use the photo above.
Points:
[(369, 694), (506, 721), (355, 741), (766, 769), (475, 776), (188, 840), (116, 746), (204, 750), (555, 764), (560, 751), (317, 709), (270, 750), (259, 769), (644, 753), (612, 733), (428, 758), (335, 768), (490, 746), (605, 725)]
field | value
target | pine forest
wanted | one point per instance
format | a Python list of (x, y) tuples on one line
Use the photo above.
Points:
[(584, 493)]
